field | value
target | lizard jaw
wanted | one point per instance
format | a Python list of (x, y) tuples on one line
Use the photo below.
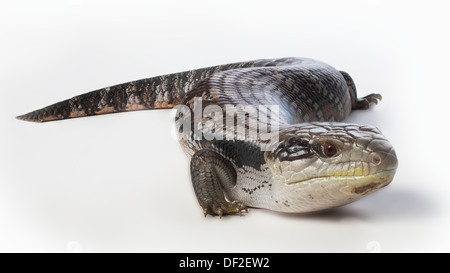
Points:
[(322, 193)]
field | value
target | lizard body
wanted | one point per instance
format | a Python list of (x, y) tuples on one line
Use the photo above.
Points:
[(265, 133)]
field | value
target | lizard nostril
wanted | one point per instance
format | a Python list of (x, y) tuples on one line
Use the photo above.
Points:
[(375, 158)]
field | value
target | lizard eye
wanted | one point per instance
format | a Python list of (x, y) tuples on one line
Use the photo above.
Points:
[(329, 149)]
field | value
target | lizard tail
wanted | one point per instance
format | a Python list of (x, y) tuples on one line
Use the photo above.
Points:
[(154, 93)]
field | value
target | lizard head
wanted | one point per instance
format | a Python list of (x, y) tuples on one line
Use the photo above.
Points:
[(319, 166)]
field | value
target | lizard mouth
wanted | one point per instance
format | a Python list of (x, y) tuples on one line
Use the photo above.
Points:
[(356, 184), (370, 183)]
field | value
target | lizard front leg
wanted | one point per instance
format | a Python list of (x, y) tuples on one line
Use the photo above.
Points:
[(210, 174)]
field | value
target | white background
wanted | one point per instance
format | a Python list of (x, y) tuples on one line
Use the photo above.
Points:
[(121, 182)]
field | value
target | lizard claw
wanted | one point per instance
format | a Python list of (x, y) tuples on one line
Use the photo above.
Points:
[(364, 102), (223, 208)]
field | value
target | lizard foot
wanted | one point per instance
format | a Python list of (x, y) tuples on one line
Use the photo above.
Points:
[(364, 102), (223, 208)]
